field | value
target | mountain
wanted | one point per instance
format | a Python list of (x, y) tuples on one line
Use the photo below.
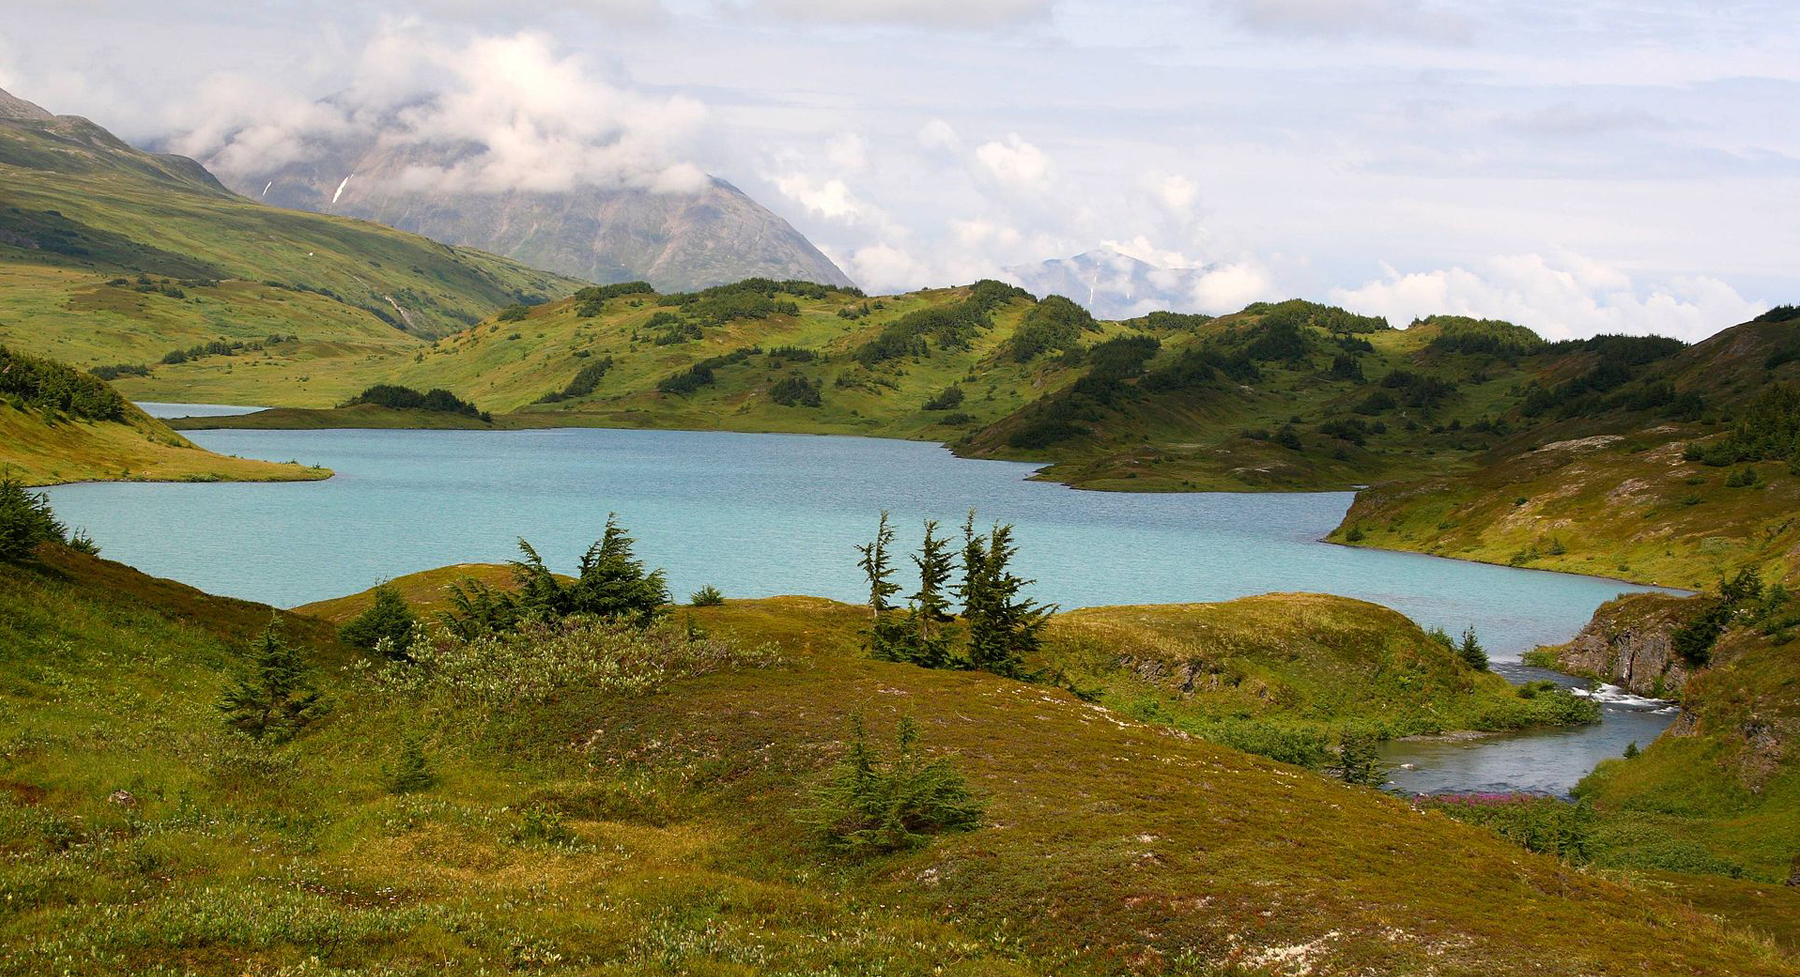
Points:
[(110, 255), (678, 241), (1110, 283)]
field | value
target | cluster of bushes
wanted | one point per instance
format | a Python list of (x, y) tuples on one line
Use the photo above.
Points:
[(855, 312), (217, 347), (951, 326), (1298, 313), (1741, 598), (514, 313), (701, 373), (586, 381), (600, 293), (611, 583), (1621, 359), (1489, 337), (752, 298), (26, 521), (1055, 323), (537, 659), (949, 398), (1540, 824), (791, 354), (1000, 624), (795, 390), (436, 400), (117, 370), (1419, 390), (669, 329), (1766, 429), (869, 805), (1173, 321), (46, 385)]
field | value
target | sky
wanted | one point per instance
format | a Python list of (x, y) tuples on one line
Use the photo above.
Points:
[(1578, 166)]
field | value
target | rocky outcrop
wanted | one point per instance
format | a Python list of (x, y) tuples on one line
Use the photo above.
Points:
[(1630, 643)]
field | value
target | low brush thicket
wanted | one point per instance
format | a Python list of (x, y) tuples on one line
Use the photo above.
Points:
[(1540, 824)]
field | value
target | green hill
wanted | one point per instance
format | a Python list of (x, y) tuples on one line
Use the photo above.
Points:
[(111, 256), (621, 828), (1681, 474), (1719, 791), (60, 425)]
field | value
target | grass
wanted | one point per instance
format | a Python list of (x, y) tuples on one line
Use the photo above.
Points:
[(1720, 791), (1309, 666), (658, 833), (46, 450), (1608, 505)]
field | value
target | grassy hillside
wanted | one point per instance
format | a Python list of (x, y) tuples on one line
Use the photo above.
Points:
[(1636, 494), (661, 831), (60, 425), (1285, 674), (113, 256), (1720, 790)]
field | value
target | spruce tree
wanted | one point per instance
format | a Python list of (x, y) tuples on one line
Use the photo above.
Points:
[(274, 700), (877, 565), (387, 620), (930, 603), (1471, 651), (25, 521), (1004, 624), (613, 582)]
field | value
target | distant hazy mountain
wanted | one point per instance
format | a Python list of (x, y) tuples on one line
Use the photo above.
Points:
[(676, 241), (1112, 284)]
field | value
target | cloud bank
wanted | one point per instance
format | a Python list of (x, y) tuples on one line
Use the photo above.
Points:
[(501, 113)]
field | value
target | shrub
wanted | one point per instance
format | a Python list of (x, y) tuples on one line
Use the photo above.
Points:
[(795, 390), (1357, 759), (600, 293), (387, 626), (1471, 652), (1054, 323), (410, 772), (950, 398), (1540, 824), (25, 521), (586, 380), (514, 313), (541, 659), (707, 596), (868, 806), (273, 700), (48, 385), (397, 397)]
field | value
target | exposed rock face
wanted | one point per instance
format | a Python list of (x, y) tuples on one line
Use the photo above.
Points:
[(1630, 643), (676, 241)]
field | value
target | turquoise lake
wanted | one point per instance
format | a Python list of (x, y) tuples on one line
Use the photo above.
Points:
[(757, 515)]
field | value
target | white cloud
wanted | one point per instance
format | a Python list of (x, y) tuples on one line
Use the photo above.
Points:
[(1177, 193), (884, 267), (830, 199), (979, 234), (938, 134), (917, 13), (1341, 18), (1230, 287), (1141, 248), (499, 113), (1561, 296), (1015, 162), (848, 152)]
